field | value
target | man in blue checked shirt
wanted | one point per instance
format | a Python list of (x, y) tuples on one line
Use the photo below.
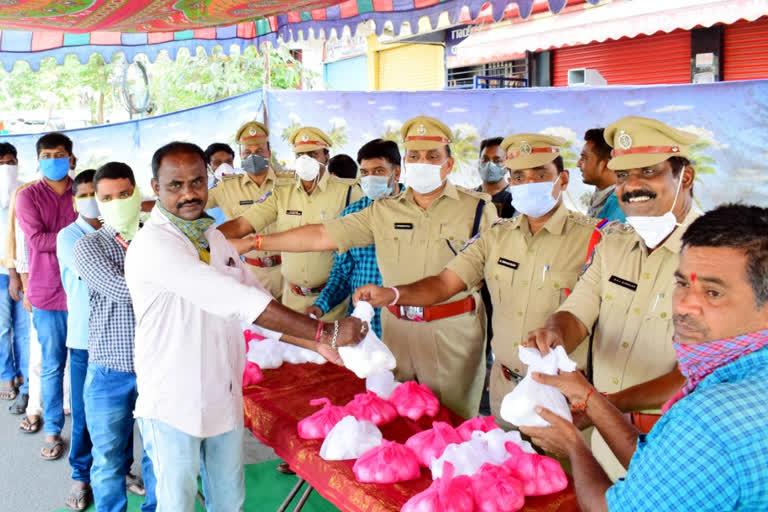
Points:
[(709, 451), (110, 389), (379, 177)]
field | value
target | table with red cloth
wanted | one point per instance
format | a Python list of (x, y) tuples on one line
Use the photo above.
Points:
[(274, 406)]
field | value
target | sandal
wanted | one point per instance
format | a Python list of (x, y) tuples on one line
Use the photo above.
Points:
[(31, 427), (8, 392), (55, 449), (19, 406), (79, 497)]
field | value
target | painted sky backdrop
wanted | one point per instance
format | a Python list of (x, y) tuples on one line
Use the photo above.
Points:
[(731, 119)]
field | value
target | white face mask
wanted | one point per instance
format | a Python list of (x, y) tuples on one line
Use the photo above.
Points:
[(653, 230), (223, 170), (423, 178), (87, 207), (307, 168), (8, 180), (534, 199)]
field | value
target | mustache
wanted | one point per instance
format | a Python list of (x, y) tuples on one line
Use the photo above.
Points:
[(191, 201), (626, 196), (688, 322)]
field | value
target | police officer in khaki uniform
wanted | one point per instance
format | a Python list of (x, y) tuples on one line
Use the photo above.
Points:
[(416, 233), (313, 196), (530, 263), (237, 193), (626, 292)]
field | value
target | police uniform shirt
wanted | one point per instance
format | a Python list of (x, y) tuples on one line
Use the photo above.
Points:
[(629, 293), (528, 276), (413, 243), (289, 206)]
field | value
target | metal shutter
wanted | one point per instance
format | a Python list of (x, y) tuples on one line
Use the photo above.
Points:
[(643, 60), (745, 50), (411, 67)]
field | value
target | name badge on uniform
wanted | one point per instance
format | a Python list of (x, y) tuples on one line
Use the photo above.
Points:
[(293, 212), (504, 262), (623, 283), (403, 225), (246, 202)]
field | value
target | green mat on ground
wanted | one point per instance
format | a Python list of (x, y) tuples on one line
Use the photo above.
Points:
[(265, 489)]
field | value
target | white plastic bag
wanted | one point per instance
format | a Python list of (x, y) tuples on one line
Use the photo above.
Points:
[(495, 441), (383, 384), (266, 353), (466, 457), (295, 354), (370, 356), (518, 407), (349, 439)]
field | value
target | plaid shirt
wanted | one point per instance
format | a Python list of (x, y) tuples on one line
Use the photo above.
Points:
[(100, 262), (709, 452), (351, 270)]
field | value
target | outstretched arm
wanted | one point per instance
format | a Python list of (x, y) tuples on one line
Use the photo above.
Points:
[(424, 292)]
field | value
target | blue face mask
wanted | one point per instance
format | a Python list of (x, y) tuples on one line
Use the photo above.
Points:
[(54, 168), (491, 172), (375, 187)]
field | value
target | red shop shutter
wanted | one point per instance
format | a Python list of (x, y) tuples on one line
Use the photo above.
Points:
[(643, 60), (745, 50)]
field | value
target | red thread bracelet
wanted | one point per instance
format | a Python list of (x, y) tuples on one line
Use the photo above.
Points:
[(583, 407), (319, 332)]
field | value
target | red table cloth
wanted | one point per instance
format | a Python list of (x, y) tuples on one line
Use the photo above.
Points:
[(274, 406)]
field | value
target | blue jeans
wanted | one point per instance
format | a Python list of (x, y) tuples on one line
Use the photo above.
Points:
[(51, 327), (178, 457), (110, 397), (80, 458), (14, 337)]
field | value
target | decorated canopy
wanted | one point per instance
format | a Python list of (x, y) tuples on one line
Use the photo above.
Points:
[(34, 29)]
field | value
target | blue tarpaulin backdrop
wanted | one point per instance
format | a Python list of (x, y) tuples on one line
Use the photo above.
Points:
[(730, 117)]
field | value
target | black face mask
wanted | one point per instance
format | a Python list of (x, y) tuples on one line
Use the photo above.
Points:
[(255, 164)]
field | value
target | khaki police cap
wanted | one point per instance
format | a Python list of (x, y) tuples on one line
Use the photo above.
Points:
[(252, 132), (423, 132), (530, 150), (309, 138), (640, 142)]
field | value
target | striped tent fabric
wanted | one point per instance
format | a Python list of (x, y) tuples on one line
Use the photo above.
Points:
[(35, 29)]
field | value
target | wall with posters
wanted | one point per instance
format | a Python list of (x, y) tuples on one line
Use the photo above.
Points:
[(731, 119)]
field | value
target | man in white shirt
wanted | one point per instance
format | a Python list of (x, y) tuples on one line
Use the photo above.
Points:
[(191, 295)]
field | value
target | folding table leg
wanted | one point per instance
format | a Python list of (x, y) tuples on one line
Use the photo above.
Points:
[(291, 495), (304, 498)]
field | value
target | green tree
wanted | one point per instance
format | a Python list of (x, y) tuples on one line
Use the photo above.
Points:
[(464, 148), (701, 162), (189, 81)]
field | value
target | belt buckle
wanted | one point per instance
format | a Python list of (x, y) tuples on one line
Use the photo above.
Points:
[(414, 313), (268, 261)]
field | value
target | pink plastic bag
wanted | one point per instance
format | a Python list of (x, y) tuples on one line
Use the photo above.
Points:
[(540, 475), (369, 407), (252, 374), (480, 423), (321, 422), (430, 444), (496, 490), (386, 464), (413, 400), (446, 494)]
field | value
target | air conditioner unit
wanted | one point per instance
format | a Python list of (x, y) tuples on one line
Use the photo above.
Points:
[(584, 76)]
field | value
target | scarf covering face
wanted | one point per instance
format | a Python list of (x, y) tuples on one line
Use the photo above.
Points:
[(698, 360), (193, 229)]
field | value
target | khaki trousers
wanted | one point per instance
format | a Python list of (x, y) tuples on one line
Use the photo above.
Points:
[(447, 355), (271, 278)]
